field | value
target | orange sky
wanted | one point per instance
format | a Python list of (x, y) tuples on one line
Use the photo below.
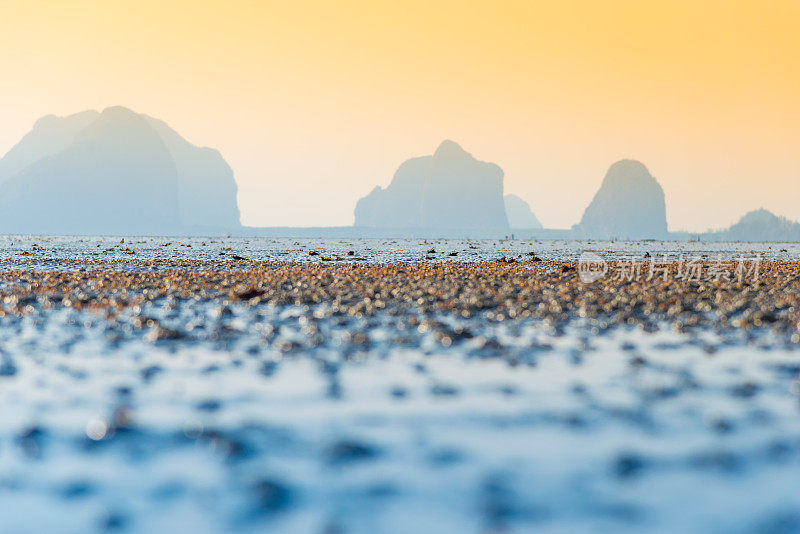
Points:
[(314, 103)]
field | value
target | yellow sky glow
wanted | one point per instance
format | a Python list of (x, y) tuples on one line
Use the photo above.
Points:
[(314, 103)]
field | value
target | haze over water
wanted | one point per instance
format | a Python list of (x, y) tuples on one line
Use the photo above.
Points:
[(347, 267)]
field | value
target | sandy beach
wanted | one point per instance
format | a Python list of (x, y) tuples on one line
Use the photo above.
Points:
[(169, 385)]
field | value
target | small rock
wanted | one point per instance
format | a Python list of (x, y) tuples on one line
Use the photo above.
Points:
[(347, 451), (7, 367), (209, 405), (627, 465), (272, 495), (162, 333)]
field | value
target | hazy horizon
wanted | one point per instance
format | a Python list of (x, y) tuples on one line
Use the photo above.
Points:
[(704, 94)]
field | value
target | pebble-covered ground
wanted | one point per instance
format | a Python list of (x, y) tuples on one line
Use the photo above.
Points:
[(332, 386)]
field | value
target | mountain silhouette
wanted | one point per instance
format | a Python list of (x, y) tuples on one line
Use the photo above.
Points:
[(115, 172), (400, 204), (758, 225), (206, 187), (448, 190), (49, 136), (629, 205), (519, 213)]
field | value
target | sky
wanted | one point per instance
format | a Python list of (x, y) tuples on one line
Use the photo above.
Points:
[(314, 103)]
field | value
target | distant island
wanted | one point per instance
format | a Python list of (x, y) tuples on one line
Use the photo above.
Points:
[(118, 172), (115, 172), (448, 190), (519, 213), (629, 205), (757, 225)]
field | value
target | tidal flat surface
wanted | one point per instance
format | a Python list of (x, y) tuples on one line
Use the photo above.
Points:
[(242, 385)]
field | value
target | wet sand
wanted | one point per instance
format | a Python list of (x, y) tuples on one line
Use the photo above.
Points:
[(343, 393), (549, 291)]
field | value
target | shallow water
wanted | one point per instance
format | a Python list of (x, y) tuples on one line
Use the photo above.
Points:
[(298, 420), (363, 250)]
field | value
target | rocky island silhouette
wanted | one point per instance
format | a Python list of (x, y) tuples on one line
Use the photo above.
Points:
[(448, 190), (118, 172), (115, 172)]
